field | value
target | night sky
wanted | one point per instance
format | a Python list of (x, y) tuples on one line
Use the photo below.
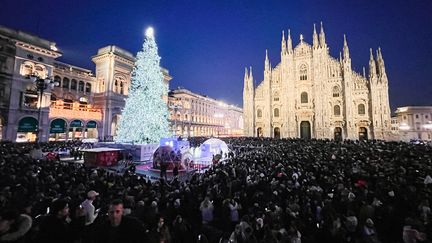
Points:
[(207, 44)]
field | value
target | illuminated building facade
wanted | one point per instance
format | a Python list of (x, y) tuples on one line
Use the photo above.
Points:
[(83, 105), (414, 123), (310, 94), (192, 114)]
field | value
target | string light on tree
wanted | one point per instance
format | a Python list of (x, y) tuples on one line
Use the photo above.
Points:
[(145, 114)]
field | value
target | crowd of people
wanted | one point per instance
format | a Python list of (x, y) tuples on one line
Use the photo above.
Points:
[(267, 190)]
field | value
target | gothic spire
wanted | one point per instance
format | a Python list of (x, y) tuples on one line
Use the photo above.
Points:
[(380, 63), (372, 67), (377, 59), (322, 37), (283, 44), (289, 42), (266, 62), (381, 66), (248, 79), (345, 49), (380, 57), (315, 43)]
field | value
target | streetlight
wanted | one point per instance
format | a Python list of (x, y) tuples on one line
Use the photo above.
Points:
[(42, 84)]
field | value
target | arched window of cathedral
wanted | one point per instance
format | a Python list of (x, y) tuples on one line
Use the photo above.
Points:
[(121, 88), (259, 113), (73, 84), (336, 91), (304, 97), (81, 86), (276, 112), (336, 110), (88, 87), (303, 72), (65, 83), (361, 109), (26, 69)]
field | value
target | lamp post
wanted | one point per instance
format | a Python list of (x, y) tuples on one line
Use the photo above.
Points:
[(42, 84)]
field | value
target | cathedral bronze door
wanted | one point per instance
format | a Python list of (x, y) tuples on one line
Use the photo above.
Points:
[(276, 132), (305, 130), (338, 134), (363, 133), (259, 132)]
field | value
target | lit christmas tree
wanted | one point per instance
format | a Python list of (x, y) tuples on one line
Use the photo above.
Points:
[(144, 118)]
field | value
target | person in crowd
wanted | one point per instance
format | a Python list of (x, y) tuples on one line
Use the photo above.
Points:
[(234, 208), (119, 228), (89, 208), (57, 226), (410, 232), (14, 226), (163, 170), (181, 230), (207, 208), (314, 190), (36, 152), (369, 232), (176, 171), (162, 232)]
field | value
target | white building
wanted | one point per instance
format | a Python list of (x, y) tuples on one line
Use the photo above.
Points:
[(310, 94), (415, 123), (192, 114)]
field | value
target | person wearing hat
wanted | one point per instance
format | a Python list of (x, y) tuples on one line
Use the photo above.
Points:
[(89, 208)]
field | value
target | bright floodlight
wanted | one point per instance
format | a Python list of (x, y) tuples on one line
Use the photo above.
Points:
[(149, 32)]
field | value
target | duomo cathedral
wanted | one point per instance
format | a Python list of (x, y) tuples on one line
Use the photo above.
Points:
[(310, 94)]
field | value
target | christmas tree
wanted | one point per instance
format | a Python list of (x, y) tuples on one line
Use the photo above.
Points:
[(144, 117)]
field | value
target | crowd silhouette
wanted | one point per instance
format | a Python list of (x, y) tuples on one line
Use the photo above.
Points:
[(265, 190)]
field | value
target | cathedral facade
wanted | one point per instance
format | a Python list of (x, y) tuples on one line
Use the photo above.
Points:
[(311, 94)]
